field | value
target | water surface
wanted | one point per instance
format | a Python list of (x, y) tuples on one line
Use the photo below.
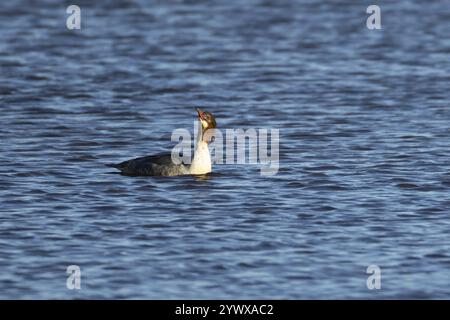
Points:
[(364, 149)]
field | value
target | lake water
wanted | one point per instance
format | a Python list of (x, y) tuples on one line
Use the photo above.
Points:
[(364, 172)]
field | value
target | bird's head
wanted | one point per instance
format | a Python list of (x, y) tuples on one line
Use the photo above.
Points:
[(206, 119)]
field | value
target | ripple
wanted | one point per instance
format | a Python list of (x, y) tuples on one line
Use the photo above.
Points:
[(407, 186)]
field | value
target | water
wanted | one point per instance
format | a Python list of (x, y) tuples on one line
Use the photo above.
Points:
[(364, 149)]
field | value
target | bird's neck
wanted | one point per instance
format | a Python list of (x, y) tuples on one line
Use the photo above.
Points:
[(201, 164)]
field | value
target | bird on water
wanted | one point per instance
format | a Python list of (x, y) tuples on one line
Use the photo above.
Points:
[(163, 165)]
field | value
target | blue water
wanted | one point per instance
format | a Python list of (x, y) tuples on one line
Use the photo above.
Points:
[(364, 149)]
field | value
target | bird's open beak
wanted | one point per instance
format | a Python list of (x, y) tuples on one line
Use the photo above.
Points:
[(201, 114)]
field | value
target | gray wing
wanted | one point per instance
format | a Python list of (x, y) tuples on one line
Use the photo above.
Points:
[(157, 165)]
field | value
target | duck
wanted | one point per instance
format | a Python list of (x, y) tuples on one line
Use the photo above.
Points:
[(163, 165)]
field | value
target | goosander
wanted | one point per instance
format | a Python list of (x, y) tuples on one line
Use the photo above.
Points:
[(162, 164)]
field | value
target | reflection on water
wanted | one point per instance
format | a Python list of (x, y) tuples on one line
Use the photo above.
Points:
[(203, 177)]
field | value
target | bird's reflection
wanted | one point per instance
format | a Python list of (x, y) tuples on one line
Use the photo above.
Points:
[(203, 177)]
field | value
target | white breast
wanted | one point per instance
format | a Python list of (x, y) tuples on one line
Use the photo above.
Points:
[(201, 163)]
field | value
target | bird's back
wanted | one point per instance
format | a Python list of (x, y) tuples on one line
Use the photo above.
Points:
[(157, 165)]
